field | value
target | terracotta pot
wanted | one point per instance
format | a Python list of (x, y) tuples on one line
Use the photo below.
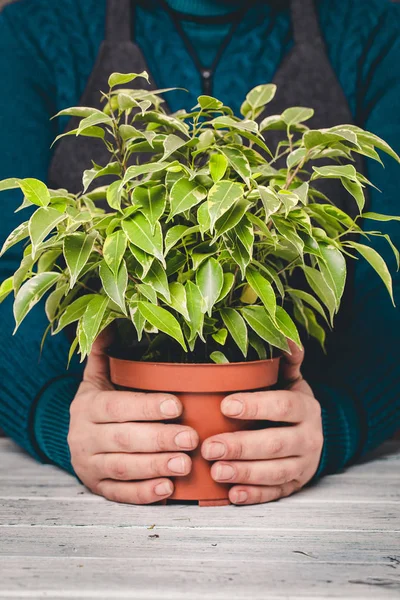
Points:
[(201, 388)]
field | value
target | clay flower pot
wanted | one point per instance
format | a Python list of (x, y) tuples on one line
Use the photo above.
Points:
[(201, 388)]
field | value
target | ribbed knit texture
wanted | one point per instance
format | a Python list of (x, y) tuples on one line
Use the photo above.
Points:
[(47, 52)]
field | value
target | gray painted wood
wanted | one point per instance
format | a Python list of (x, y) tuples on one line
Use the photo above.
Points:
[(337, 539)]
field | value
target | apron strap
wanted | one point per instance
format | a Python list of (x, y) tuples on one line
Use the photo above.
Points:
[(118, 21), (306, 29)]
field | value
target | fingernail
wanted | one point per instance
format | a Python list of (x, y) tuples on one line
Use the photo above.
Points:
[(170, 408), (177, 465), (214, 450), (184, 440), (163, 489), (232, 407), (224, 472), (241, 497)]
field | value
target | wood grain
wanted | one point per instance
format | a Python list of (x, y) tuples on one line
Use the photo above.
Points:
[(337, 539)]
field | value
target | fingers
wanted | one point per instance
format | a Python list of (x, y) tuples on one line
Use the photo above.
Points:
[(261, 472), (281, 405), (143, 438), (127, 467), (135, 492), (261, 494), (291, 363), (270, 443), (120, 407), (97, 369)]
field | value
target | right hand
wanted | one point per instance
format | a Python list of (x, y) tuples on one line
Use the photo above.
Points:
[(117, 450)]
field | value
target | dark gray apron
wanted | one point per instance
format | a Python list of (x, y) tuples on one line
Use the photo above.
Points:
[(305, 78)]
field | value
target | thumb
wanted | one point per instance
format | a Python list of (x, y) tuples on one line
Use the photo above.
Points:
[(291, 363), (97, 370)]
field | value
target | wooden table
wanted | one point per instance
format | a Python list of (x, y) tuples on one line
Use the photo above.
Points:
[(338, 539)]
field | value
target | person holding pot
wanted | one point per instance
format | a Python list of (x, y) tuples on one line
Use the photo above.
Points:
[(340, 58)]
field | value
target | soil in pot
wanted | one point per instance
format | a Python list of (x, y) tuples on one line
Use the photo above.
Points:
[(201, 388)]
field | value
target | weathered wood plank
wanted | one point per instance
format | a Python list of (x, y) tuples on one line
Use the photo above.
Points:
[(164, 578), (274, 547), (288, 514)]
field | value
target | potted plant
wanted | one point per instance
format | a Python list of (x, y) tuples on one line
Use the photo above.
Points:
[(193, 251)]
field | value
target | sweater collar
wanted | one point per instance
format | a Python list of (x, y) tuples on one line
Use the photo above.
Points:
[(206, 8)]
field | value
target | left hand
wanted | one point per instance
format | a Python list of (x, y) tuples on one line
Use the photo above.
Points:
[(268, 464)]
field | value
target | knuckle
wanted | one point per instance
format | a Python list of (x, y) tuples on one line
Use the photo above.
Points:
[(276, 446), (278, 493), (161, 442), (315, 442), (245, 475), (117, 469), (235, 449), (122, 440), (113, 409), (284, 407), (155, 469), (279, 475), (251, 408), (149, 410), (142, 494)]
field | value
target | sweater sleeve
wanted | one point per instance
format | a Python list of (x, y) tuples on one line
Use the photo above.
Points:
[(360, 397), (35, 391)]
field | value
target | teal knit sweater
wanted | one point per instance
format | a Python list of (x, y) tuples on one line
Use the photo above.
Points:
[(47, 52)]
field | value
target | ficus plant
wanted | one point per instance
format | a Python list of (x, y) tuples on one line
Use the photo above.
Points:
[(194, 244)]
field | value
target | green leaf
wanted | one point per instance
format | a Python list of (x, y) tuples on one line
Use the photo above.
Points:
[(95, 119), (318, 284), (377, 263), (176, 233), (229, 279), (114, 249), (152, 201), (19, 234), (31, 293), (115, 285), (139, 231), (244, 231), (78, 111), (209, 102), (147, 291), (144, 260), (238, 161), (336, 172), (218, 165), (333, 269), (47, 260), (221, 197), (258, 345), (53, 301), (240, 255), (288, 231), (313, 327), (220, 336), (195, 308), (41, 223), (232, 216), (286, 326), (236, 326), (157, 278), (356, 190), (35, 191), (263, 289), (74, 311), (10, 184), (135, 171), (184, 195), (6, 288), (171, 144), (257, 98), (378, 217), (219, 358), (296, 115), (178, 299), (114, 195), (210, 279), (366, 136), (77, 249), (270, 200), (163, 320), (261, 322), (309, 299), (203, 218), (296, 157), (93, 132), (91, 320), (113, 168)]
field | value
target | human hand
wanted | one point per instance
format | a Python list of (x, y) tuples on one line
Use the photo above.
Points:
[(116, 449), (268, 464)]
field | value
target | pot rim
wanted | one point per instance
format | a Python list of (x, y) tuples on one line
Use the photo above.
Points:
[(208, 365)]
